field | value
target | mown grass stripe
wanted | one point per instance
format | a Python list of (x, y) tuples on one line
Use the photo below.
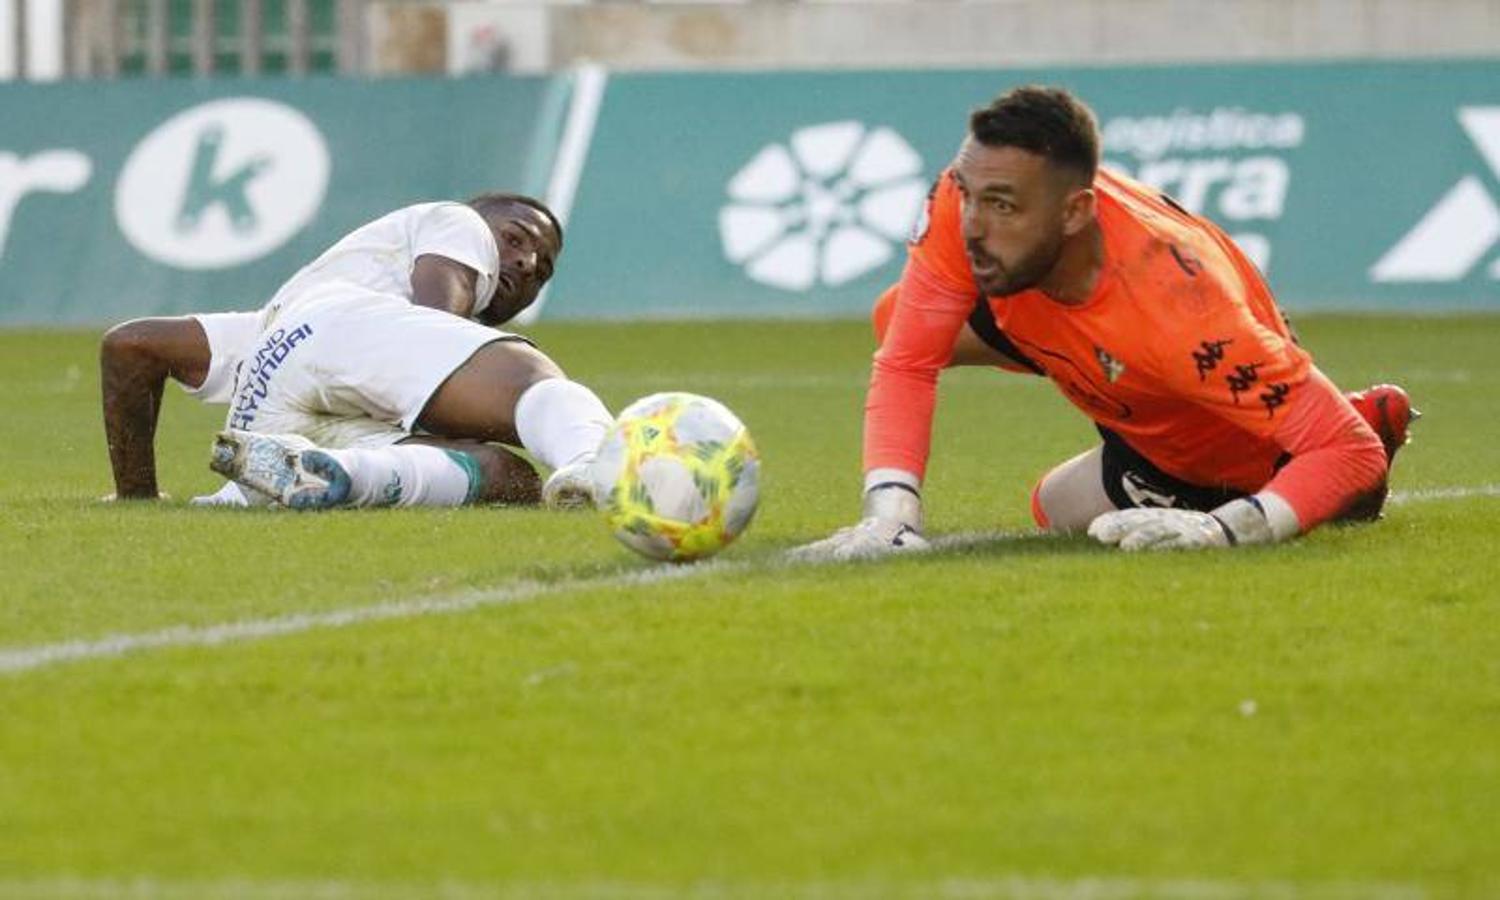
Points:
[(26, 659), (1003, 888)]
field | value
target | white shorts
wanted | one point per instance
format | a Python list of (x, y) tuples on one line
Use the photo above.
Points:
[(350, 368)]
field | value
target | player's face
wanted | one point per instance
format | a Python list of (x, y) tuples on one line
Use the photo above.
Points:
[(1014, 205), (528, 251)]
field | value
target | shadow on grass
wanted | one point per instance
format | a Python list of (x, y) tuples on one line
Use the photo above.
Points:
[(960, 545)]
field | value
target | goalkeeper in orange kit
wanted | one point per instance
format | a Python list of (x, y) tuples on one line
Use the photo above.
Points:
[(1217, 428)]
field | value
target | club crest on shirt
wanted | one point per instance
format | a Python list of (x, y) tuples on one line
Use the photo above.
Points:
[(1112, 367)]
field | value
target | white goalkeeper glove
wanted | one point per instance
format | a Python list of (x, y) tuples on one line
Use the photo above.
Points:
[(1259, 519), (892, 523), (867, 540)]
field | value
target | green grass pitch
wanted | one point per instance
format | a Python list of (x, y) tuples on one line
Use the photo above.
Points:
[(1015, 716)]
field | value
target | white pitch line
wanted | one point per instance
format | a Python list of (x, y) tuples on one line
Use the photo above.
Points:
[(1003, 888), (26, 659), (1424, 495)]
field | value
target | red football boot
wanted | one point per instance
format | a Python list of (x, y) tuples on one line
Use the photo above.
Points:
[(1389, 412)]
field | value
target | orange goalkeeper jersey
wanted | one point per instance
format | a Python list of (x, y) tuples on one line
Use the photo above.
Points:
[(1181, 349)]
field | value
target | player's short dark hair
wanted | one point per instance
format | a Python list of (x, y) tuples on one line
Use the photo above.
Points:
[(494, 201), (1047, 121)]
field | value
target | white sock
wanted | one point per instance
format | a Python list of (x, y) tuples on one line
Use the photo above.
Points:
[(230, 494), (561, 422), (409, 475)]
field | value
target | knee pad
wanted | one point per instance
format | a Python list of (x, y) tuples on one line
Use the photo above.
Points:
[(1075, 494)]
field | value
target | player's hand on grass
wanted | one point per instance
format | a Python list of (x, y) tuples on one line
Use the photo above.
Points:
[(1159, 529), (1260, 519), (867, 540), (892, 523)]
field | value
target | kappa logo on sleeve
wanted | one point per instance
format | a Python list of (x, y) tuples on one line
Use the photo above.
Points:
[(1242, 378), (1274, 397), (1208, 356)]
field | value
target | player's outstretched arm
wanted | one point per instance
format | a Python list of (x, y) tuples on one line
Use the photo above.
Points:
[(918, 344), (135, 360)]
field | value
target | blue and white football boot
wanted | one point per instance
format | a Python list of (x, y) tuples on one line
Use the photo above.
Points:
[(285, 467)]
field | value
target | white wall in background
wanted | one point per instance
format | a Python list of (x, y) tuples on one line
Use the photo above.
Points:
[(44, 47), (499, 36)]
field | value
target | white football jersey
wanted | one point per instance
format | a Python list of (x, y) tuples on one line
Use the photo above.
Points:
[(379, 256), (231, 338)]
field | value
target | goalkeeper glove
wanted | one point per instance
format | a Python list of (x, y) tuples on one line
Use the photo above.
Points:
[(1242, 521), (892, 523)]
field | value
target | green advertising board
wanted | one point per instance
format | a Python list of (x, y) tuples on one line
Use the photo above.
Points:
[(139, 198), (1355, 186)]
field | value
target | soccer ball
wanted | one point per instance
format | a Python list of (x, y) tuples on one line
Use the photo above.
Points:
[(677, 477)]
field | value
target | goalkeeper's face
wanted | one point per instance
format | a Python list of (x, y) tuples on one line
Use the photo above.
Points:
[(1016, 215)]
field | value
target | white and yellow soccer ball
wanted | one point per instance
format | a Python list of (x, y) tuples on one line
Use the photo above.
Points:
[(677, 477)]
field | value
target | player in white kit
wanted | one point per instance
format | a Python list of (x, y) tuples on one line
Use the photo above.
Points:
[(368, 379)]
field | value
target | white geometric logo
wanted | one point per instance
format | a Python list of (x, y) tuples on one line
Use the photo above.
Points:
[(222, 183), (1464, 226), (829, 208)]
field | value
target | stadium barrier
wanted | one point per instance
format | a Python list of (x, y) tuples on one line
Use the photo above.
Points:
[(1356, 186), (163, 197)]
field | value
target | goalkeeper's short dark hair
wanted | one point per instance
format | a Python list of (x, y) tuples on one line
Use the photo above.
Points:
[(1047, 121)]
